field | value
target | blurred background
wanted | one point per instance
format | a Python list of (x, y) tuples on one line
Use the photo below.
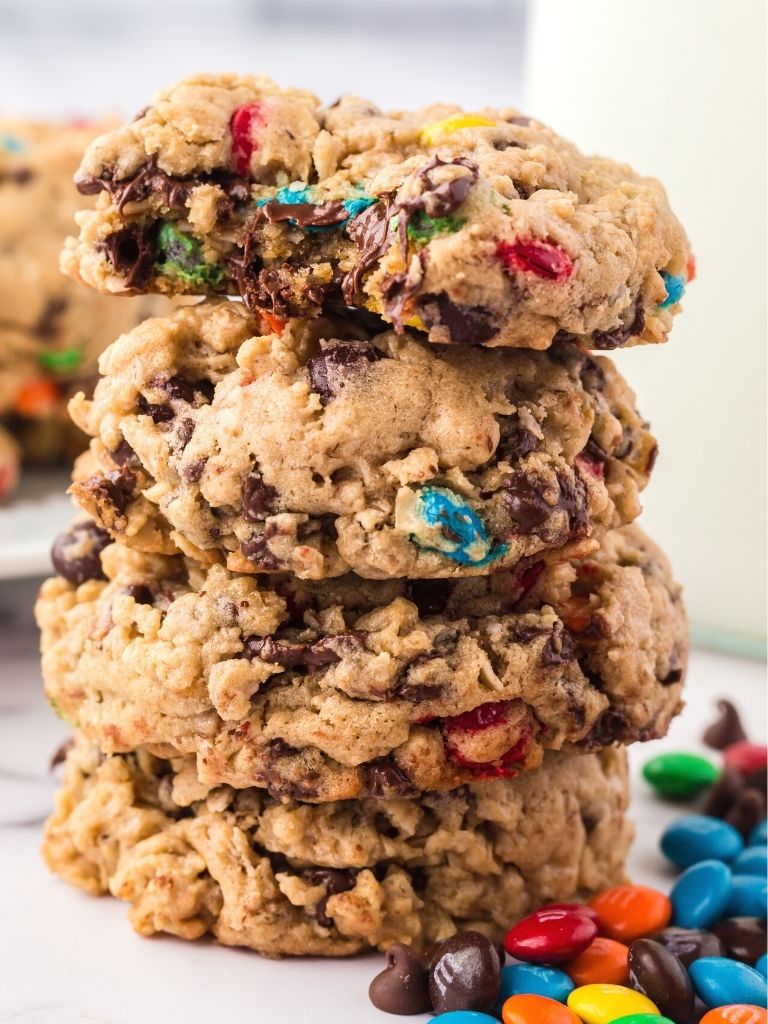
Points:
[(676, 88)]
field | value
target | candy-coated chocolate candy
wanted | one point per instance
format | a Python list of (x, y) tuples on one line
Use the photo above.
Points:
[(658, 974), (628, 912), (700, 837), (605, 960), (464, 1017), (700, 895), (601, 1004), (533, 980), (439, 130), (752, 861), (675, 285), (719, 981), (531, 256), (464, 973), (736, 1013), (533, 1009), (762, 965), (11, 144), (746, 757), (243, 125), (748, 898), (579, 908), (643, 1018), (442, 520), (743, 937), (36, 398), (759, 834), (688, 944), (550, 936), (680, 776)]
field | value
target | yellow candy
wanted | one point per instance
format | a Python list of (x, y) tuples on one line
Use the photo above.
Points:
[(601, 1004), (440, 129)]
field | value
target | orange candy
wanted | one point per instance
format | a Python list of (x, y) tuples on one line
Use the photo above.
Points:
[(605, 960), (690, 269), (276, 324), (736, 1013), (37, 398), (526, 1009), (629, 912)]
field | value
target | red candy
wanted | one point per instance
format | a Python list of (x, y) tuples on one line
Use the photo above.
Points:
[(241, 126), (533, 257), (479, 718), (484, 716), (576, 908), (550, 936), (746, 757)]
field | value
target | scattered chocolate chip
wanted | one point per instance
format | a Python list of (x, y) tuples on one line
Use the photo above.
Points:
[(464, 974), (132, 254), (258, 498), (689, 944), (656, 972), (466, 325), (147, 181), (401, 987), (594, 452), (384, 778), (335, 880), (524, 502), (59, 755), (621, 335), (744, 938), (305, 214), (75, 553), (160, 413), (515, 440), (610, 727), (502, 144), (115, 489), (371, 232), (278, 748), (256, 550), (326, 651), (140, 593), (559, 648), (193, 470), (592, 374), (727, 729), (331, 368), (184, 432), (124, 455)]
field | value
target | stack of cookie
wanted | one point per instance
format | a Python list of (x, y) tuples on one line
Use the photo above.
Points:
[(357, 626), (51, 331)]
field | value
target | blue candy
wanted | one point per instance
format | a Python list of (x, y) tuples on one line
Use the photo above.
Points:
[(464, 1017), (699, 837), (762, 965), (752, 861), (293, 195), (11, 144), (700, 895), (534, 980), (759, 834), (675, 285), (452, 528), (719, 981), (749, 896)]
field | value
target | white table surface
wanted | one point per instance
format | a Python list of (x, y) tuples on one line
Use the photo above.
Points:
[(67, 958)]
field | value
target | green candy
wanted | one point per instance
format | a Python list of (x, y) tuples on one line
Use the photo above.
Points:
[(642, 1018), (680, 776), (61, 361), (181, 257), (422, 227)]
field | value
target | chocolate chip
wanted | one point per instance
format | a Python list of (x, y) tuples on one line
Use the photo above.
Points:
[(689, 944), (466, 325), (747, 810), (160, 413), (559, 648), (256, 549), (371, 232), (621, 335), (140, 593), (744, 938), (17, 176), (75, 553), (326, 651), (59, 755), (258, 498), (335, 880), (279, 290), (593, 451), (721, 796), (515, 440), (524, 502), (115, 489), (431, 597), (124, 455), (132, 254), (278, 748), (401, 987), (330, 370), (384, 778), (610, 727), (656, 972), (592, 375), (48, 323), (184, 432), (194, 470), (147, 181), (464, 974), (727, 729), (305, 214)]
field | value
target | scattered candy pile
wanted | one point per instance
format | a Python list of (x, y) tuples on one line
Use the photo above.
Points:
[(632, 955)]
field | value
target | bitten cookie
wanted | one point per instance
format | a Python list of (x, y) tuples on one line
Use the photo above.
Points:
[(482, 227), (333, 880), (51, 330), (326, 447), (353, 688)]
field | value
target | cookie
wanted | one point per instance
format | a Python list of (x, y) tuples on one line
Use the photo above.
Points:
[(9, 465), (482, 227), (292, 879), (51, 331), (328, 447), (350, 688)]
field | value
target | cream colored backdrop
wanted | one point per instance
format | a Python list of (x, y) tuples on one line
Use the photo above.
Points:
[(678, 88)]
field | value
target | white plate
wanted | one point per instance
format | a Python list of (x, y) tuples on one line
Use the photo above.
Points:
[(31, 520)]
